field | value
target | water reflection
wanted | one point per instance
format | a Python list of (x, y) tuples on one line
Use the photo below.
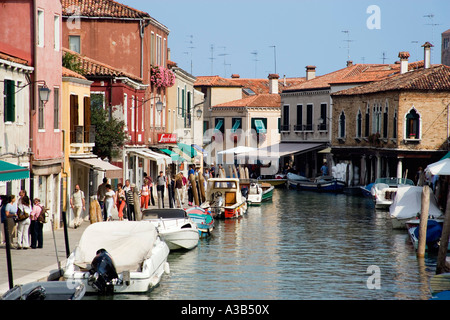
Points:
[(301, 245)]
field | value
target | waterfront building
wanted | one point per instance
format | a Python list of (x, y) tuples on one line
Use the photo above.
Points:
[(307, 112), (395, 125), (31, 30), (135, 45)]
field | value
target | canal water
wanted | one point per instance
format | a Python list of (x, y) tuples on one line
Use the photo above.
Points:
[(302, 246)]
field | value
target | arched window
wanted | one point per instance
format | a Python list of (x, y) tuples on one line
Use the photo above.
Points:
[(367, 128), (394, 126), (385, 121), (359, 124), (412, 125), (342, 125)]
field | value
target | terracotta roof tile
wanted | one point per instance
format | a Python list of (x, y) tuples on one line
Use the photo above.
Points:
[(70, 73), (260, 100), (435, 78), (261, 86), (215, 81), (11, 58), (100, 8), (92, 67)]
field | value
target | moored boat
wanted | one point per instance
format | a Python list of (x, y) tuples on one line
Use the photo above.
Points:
[(203, 219), (318, 184), (118, 257), (174, 226), (434, 232), (407, 205), (224, 198), (46, 290), (384, 190)]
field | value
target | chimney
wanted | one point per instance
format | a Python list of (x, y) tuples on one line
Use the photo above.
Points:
[(273, 83), (310, 72), (349, 63), (403, 55), (235, 76), (427, 54)]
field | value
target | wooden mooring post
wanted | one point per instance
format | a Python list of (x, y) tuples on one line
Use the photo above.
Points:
[(424, 208)]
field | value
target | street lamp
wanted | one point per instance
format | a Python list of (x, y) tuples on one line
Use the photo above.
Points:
[(44, 93), (159, 106), (199, 113)]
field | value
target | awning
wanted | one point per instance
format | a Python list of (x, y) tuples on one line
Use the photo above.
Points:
[(260, 128), (203, 151), (112, 171), (175, 156), (9, 172), (187, 149), (149, 154), (218, 125), (282, 149), (236, 125)]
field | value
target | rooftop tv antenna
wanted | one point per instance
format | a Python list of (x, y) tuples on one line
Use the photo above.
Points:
[(432, 24), (191, 42), (255, 53), (348, 43), (224, 55), (275, 57), (212, 59)]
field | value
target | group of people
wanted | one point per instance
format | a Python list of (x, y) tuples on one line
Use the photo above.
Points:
[(20, 221)]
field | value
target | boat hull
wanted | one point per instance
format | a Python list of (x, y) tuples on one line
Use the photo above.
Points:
[(52, 290), (128, 282), (432, 240), (332, 186), (180, 239)]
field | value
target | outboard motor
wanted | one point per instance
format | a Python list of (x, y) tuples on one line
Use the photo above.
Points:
[(244, 192), (103, 272)]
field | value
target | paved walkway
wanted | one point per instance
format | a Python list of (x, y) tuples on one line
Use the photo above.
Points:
[(38, 264)]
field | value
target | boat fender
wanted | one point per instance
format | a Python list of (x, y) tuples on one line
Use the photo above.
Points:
[(166, 268)]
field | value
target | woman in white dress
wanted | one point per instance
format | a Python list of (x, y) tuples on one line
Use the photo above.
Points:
[(24, 225), (110, 202)]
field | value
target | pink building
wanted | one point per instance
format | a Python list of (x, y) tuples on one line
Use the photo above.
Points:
[(31, 30)]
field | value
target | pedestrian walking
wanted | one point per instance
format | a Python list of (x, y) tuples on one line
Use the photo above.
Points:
[(137, 209), (145, 194), (101, 192), (110, 202), (129, 192), (23, 225), (160, 185), (37, 238), (121, 200), (185, 182), (11, 216), (150, 188), (178, 189), (3, 202), (78, 205)]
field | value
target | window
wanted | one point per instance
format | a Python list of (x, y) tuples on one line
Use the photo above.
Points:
[(445, 43), (183, 103), (385, 121), (413, 125), (152, 49), (259, 125), (285, 126), (394, 126), (299, 124), (9, 101), (323, 116), (236, 124), (359, 124), (142, 115), (133, 113), (342, 125), (376, 120), (309, 117), (125, 111), (56, 33), (367, 128), (219, 125), (40, 26), (41, 124), (75, 43), (56, 108)]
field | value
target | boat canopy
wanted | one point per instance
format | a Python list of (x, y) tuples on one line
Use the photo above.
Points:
[(128, 242), (393, 182), (164, 213), (408, 201)]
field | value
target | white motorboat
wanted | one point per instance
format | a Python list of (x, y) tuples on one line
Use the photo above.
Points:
[(407, 205), (174, 226), (224, 198), (118, 257), (384, 189)]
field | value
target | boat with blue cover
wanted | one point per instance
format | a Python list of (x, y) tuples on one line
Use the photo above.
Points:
[(203, 219)]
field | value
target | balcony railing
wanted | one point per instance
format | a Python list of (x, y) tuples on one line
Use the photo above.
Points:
[(285, 128)]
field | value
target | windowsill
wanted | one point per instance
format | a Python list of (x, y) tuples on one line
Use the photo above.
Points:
[(412, 140), (41, 130), (357, 139), (394, 140), (341, 139), (56, 130)]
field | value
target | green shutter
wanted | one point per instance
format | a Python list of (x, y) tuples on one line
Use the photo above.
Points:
[(10, 101)]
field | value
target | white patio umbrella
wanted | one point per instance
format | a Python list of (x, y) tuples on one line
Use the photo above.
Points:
[(441, 168)]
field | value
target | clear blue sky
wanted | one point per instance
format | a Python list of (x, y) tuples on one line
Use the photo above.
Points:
[(304, 32)]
